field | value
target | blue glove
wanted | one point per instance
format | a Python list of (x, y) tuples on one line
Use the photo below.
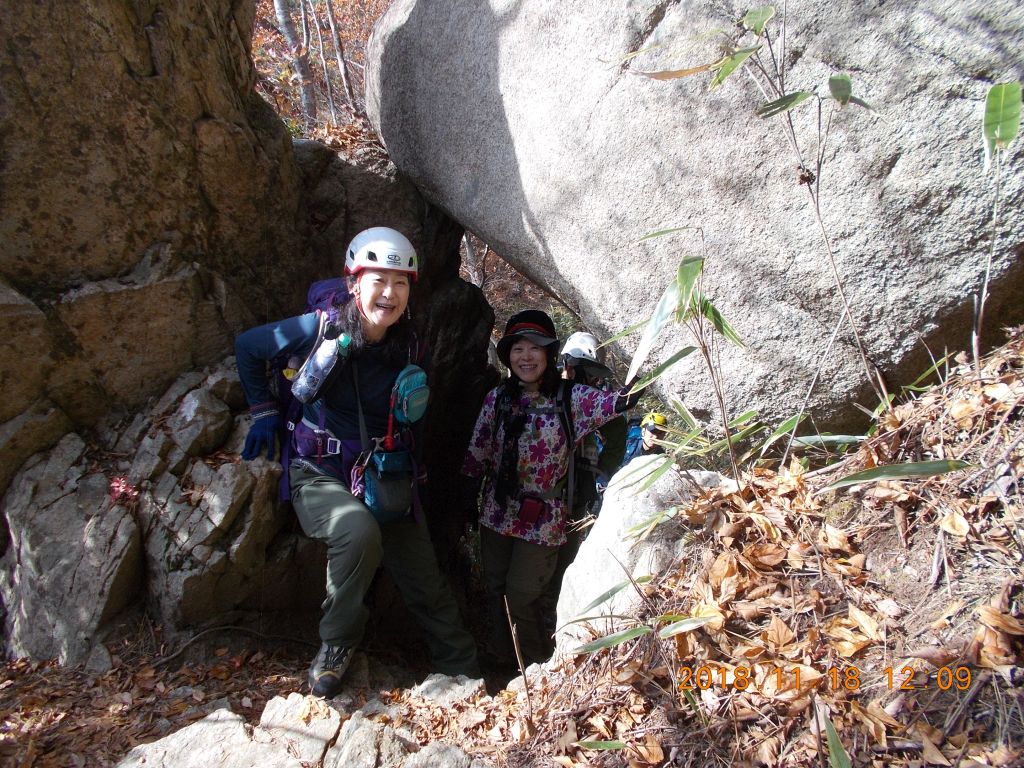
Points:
[(263, 432)]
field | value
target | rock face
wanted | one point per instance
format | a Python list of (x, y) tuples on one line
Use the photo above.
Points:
[(298, 731), (610, 556), (153, 206), (580, 155), (179, 519), (139, 169), (74, 558)]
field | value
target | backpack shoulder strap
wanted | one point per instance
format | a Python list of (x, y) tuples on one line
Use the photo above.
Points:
[(564, 400)]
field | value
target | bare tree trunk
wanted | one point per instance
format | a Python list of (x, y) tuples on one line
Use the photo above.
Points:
[(305, 26), (323, 63), (302, 70), (340, 53)]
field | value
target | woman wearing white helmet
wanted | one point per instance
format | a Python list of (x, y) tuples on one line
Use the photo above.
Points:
[(375, 332)]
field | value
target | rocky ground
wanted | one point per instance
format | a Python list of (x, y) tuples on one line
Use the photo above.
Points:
[(885, 611)]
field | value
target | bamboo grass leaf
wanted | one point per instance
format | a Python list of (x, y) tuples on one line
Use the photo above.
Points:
[(614, 639), (663, 314), (601, 745), (662, 233), (683, 412), (743, 418), (783, 429), (660, 371), (686, 625), (614, 591), (899, 472), (729, 64), (641, 473), (783, 104), (837, 757), (686, 277), (673, 74), (624, 333), (710, 311), (756, 19), (816, 441), (1002, 118), (841, 88)]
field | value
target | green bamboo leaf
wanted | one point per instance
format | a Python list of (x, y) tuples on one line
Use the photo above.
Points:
[(837, 757), (756, 19), (663, 232), (687, 276), (623, 334), (783, 429), (899, 472), (614, 591), (658, 372), (1002, 118), (614, 639), (728, 64), (633, 478), (861, 103), (683, 412), (601, 745), (744, 433), (784, 104), (663, 314), (673, 74), (743, 418), (686, 625), (817, 441), (841, 88), (710, 311)]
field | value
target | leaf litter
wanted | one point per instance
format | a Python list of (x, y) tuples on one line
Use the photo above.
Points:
[(880, 624)]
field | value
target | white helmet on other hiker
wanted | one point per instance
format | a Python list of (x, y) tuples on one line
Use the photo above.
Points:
[(381, 248), (580, 350)]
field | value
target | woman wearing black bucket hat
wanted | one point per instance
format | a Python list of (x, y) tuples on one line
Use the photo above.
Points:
[(521, 450)]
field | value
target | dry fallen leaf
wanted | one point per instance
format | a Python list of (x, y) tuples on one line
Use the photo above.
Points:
[(956, 524), (992, 617)]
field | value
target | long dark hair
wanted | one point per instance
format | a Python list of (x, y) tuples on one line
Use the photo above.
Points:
[(513, 421), (397, 341)]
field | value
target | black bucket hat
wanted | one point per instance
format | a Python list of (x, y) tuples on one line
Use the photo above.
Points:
[(531, 324)]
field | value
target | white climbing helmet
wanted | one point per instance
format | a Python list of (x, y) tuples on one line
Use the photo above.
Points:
[(580, 349), (381, 248)]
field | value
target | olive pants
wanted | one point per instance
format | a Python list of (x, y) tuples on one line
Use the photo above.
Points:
[(519, 571), (356, 546)]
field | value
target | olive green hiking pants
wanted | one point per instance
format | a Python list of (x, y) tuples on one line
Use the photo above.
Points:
[(519, 571), (356, 546)]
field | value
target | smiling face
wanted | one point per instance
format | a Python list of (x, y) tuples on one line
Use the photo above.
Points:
[(528, 362), (383, 295)]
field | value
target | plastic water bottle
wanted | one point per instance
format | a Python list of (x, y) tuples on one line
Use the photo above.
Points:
[(314, 372)]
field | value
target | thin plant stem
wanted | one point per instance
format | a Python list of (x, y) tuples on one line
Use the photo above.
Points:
[(810, 389), (979, 304)]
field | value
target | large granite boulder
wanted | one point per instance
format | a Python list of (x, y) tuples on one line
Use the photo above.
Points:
[(614, 553), (74, 559), (529, 124)]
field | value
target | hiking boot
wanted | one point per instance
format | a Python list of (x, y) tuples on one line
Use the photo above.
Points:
[(327, 669)]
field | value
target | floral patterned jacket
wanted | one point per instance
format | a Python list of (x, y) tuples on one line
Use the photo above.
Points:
[(543, 459)]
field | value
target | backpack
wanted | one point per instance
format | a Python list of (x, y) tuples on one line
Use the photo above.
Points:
[(325, 297), (580, 489), (408, 397), (634, 441)]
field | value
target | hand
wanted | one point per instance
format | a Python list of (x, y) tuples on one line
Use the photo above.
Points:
[(263, 432), (625, 401)]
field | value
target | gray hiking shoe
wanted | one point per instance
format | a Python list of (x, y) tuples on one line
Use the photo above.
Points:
[(327, 669)]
